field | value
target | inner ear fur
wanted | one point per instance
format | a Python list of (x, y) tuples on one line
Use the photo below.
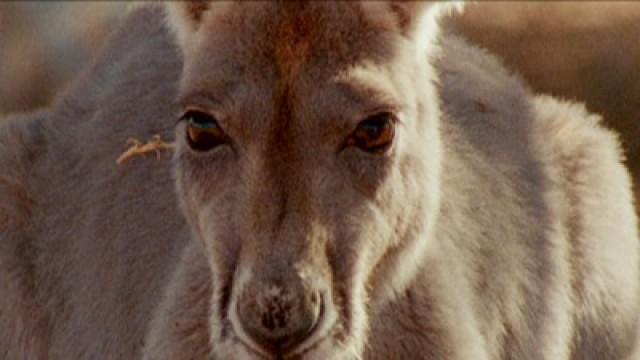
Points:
[(409, 14), (418, 20)]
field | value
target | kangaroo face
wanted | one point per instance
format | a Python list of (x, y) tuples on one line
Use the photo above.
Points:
[(307, 163)]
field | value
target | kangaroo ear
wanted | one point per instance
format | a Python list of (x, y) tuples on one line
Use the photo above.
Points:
[(419, 19), (411, 15), (185, 17)]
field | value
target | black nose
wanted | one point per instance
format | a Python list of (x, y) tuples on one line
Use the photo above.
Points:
[(277, 319)]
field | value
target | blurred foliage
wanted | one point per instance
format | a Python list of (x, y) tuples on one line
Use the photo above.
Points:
[(584, 51)]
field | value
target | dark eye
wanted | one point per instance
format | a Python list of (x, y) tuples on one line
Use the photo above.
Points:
[(374, 134), (203, 131)]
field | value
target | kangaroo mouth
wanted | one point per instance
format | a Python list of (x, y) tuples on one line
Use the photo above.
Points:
[(318, 333)]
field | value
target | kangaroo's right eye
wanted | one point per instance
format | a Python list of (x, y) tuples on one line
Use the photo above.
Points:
[(203, 131)]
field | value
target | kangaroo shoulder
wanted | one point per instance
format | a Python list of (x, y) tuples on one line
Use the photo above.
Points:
[(21, 145), (587, 157), (573, 132), (475, 85)]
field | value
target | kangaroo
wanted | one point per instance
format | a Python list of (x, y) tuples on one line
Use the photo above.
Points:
[(348, 181)]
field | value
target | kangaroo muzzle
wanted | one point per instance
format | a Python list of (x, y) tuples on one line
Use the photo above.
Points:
[(278, 316)]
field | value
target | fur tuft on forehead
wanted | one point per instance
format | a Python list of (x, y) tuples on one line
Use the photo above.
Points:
[(295, 36)]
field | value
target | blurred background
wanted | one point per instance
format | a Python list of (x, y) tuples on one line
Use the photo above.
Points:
[(584, 51)]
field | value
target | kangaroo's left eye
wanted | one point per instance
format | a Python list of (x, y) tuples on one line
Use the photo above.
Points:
[(374, 134), (203, 131)]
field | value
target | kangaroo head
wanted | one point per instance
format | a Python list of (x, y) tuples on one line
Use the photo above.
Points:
[(307, 162)]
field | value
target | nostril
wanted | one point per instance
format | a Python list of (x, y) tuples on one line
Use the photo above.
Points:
[(274, 315), (280, 323)]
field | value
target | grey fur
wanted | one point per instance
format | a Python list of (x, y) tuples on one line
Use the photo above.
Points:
[(533, 253)]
